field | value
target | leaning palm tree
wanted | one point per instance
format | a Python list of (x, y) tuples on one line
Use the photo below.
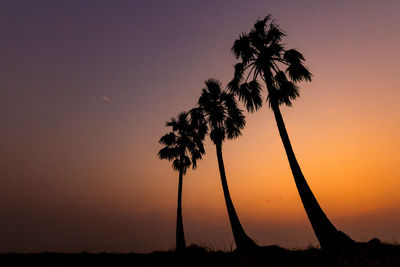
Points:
[(264, 56), (183, 146), (224, 119)]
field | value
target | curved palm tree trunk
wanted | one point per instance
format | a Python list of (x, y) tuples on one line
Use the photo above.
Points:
[(243, 242), (328, 236), (180, 236)]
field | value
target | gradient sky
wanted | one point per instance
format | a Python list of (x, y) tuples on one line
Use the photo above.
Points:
[(87, 86)]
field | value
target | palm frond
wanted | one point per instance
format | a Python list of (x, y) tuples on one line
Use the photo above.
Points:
[(239, 70), (242, 48), (232, 131), (196, 155), (172, 123), (292, 56), (213, 86), (296, 69), (198, 123), (288, 91), (250, 94), (233, 86), (280, 77), (182, 121), (168, 153), (183, 164), (168, 139), (255, 94), (274, 34), (256, 40), (259, 26), (200, 146), (228, 99), (186, 162), (176, 165), (234, 113), (275, 49), (298, 72)]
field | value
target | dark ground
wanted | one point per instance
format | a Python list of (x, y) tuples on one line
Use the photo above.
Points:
[(371, 255)]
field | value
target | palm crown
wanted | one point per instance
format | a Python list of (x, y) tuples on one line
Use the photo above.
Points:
[(184, 144), (263, 55), (221, 112)]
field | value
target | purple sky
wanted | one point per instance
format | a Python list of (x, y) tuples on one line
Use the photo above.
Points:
[(86, 87)]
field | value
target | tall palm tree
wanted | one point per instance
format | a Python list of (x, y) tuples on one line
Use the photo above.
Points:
[(183, 146), (264, 56), (224, 120)]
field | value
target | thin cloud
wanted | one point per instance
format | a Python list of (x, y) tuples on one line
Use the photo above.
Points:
[(106, 99)]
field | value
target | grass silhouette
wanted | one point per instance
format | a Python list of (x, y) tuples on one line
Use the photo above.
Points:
[(367, 254)]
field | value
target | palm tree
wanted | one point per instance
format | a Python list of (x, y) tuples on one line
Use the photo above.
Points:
[(220, 112), (183, 146), (263, 56)]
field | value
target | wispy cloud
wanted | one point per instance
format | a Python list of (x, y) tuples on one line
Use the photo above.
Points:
[(106, 99), (97, 99)]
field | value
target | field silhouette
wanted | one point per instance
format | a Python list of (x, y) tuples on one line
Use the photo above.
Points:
[(372, 254), (266, 74)]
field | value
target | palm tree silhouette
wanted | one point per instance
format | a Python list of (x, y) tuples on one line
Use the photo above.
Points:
[(183, 146), (225, 120), (263, 56)]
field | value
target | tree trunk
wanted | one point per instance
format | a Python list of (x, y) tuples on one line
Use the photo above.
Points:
[(327, 234), (180, 236), (243, 242)]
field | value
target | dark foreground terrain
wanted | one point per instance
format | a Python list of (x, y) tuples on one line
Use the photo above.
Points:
[(371, 255)]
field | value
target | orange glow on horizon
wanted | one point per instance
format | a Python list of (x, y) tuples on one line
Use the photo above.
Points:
[(83, 105)]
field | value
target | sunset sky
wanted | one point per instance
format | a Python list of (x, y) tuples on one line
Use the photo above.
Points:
[(87, 86)]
